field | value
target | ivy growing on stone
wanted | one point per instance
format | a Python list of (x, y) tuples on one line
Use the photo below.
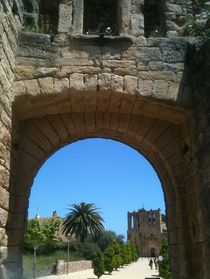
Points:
[(199, 23)]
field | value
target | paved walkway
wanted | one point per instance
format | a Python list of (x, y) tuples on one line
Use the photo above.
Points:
[(137, 270)]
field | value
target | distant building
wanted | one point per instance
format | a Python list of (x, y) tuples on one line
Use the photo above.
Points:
[(146, 229)]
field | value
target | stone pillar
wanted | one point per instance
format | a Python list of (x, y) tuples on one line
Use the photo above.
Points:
[(78, 6), (124, 17), (137, 18), (65, 17), (135, 222), (129, 221)]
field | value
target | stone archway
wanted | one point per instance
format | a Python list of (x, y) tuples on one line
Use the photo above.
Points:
[(58, 89), (157, 130)]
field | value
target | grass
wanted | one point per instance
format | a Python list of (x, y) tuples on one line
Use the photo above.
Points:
[(44, 263)]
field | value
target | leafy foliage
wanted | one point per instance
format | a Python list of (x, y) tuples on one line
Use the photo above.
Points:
[(199, 23), (109, 258), (41, 235), (105, 238), (83, 220), (98, 265), (164, 268), (89, 250)]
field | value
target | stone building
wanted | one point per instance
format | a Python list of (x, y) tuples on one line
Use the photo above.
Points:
[(146, 229), (130, 74)]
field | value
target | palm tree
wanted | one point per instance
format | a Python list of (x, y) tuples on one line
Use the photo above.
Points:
[(82, 219)]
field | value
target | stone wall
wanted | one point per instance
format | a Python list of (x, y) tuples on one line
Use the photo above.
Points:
[(145, 231), (132, 16), (56, 89), (103, 87), (199, 64), (63, 267), (10, 25), (151, 68)]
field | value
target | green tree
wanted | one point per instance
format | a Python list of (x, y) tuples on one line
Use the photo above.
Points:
[(164, 268), (134, 253), (82, 220), (118, 260), (109, 259), (98, 265), (89, 250), (35, 235), (105, 238), (128, 253), (41, 234), (38, 234)]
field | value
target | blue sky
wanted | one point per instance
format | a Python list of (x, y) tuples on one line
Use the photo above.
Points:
[(113, 176)]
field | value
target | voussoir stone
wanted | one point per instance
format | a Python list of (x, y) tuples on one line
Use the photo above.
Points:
[(130, 84), (77, 81), (117, 83)]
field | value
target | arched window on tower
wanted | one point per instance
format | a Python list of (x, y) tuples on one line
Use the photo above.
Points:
[(132, 222), (149, 219)]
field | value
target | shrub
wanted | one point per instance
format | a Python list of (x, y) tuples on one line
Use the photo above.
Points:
[(108, 259), (98, 265), (90, 250), (164, 268)]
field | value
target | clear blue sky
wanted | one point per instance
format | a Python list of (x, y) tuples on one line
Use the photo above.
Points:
[(107, 173)]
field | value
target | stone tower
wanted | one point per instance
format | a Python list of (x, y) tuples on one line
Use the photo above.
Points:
[(145, 230)]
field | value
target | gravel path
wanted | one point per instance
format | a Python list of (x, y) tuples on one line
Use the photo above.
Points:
[(137, 270)]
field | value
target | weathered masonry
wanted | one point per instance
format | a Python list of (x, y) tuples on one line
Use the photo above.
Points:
[(129, 77), (146, 229)]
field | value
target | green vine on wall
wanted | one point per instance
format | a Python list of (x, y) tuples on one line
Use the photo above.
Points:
[(199, 23)]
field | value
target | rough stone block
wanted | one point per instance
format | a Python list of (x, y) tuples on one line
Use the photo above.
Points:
[(3, 217), (67, 70), (91, 82), (77, 81), (65, 18), (137, 23), (19, 88), (46, 71), (130, 84), (4, 177), (61, 85), (145, 87), (3, 239), (25, 72), (173, 90), (32, 87), (3, 253), (46, 85), (117, 83), (158, 75), (5, 136), (160, 88), (4, 80), (7, 49), (4, 155), (104, 81)]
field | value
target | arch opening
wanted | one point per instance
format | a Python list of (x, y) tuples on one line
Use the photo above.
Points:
[(105, 172), (160, 140)]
